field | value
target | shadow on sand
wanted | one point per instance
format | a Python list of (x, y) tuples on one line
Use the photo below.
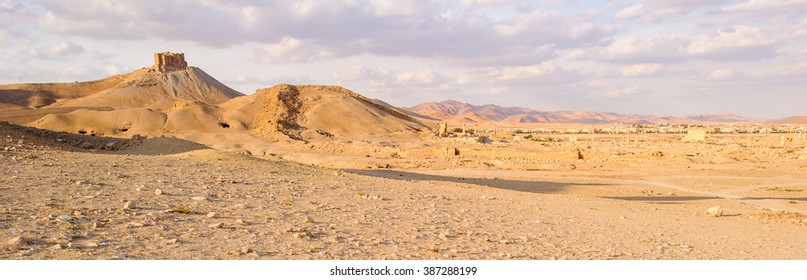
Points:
[(514, 185), (74, 142), (661, 199)]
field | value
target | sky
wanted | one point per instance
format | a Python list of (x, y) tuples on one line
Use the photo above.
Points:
[(663, 57)]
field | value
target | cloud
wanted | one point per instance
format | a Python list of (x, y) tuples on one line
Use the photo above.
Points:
[(642, 69), (527, 72), (631, 12), (360, 73), (631, 90), (664, 48), (722, 74), (302, 30), (768, 8), (739, 42), (288, 50), (422, 78), (62, 49)]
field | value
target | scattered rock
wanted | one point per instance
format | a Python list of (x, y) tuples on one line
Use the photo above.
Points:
[(216, 225), (134, 224), (86, 145), (199, 198), (131, 204), (91, 245), (308, 219), (158, 191), (246, 250), (171, 241), (64, 218), (112, 146), (240, 222), (19, 240), (213, 215), (716, 211), (56, 247)]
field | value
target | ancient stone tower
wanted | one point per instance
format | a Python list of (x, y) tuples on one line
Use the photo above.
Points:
[(169, 61)]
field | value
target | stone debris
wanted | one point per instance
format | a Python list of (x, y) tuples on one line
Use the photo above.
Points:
[(19, 240), (213, 215), (199, 198), (64, 218), (715, 211), (216, 225), (158, 192), (131, 204)]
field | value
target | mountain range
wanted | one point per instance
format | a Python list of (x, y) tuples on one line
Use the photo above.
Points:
[(460, 112)]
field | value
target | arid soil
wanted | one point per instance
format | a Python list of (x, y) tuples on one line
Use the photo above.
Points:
[(68, 196)]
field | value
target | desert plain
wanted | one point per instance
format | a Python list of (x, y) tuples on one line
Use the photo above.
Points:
[(168, 163)]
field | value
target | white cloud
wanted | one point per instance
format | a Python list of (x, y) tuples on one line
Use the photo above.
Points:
[(631, 12), (739, 42), (640, 69), (289, 50), (526, 72), (420, 78), (59, 50), (768, 8), (361, 73), (722, 74), (622, 91), (664, 48)]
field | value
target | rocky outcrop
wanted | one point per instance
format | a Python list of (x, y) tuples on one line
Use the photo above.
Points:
[(169, 61)]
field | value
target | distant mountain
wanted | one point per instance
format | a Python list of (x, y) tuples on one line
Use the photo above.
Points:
[(791, 120), (455, 111)]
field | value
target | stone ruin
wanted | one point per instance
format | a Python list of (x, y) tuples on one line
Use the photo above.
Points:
[(169, 61)]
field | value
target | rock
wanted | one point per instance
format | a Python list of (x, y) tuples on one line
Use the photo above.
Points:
[(64, 218), (716, 211), (199, 198), (112, 146), (240, 222), (216, 225), (137, 137), (131, 204), (171, 241), (158, 191), (213, 215), (91, 245), (308, 219), (69, 237), (86, 145), (56, 247), (246, 250), (72, 245), (134, 224), (19, 240)]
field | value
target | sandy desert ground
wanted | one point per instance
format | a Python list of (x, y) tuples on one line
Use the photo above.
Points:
[(66, 196)]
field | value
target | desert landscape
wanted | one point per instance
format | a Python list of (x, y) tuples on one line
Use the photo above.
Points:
[(166, 162)]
